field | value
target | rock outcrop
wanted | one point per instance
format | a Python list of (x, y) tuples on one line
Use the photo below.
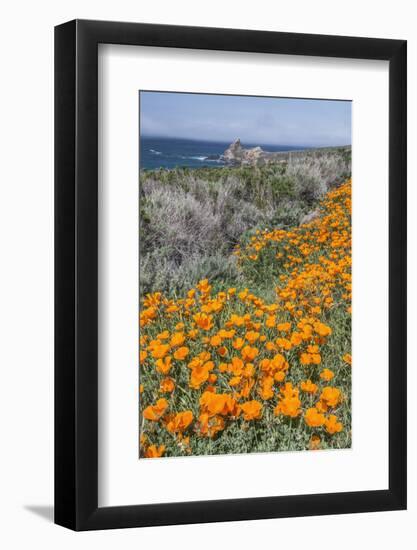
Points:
[(235, 154)]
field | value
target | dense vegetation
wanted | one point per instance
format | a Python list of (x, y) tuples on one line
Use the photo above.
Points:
[(246, 322), (191, 219)]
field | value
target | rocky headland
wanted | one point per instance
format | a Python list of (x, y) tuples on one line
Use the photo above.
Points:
[(236, 154)]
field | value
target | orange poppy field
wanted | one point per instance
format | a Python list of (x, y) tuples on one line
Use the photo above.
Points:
[(261, 366)]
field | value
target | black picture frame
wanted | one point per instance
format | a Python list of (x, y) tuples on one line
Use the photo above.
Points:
[(76, 272)]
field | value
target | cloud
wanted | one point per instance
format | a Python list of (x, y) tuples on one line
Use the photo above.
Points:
[(254, 120)]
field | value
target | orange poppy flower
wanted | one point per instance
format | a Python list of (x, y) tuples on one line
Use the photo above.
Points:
[(332, 425), (279, 363), (313, 418), (155, 412), (307, 331), (271, 321), (249, 370), (210, 426), (200, 374), (288, 406), (284, 343), (167, 385), (315, 358), (248, 353), (203, 321), (289, 391), (322, 329), (160, 351), (203, 286), (347, 358), (326, 374), (266, 385), (321, 406), (308, 386), (177, 339), (222, 351), (235, 381), (238, 343), (226, 334), (296, 338), (330, 396), (181, 353), (215, 340), (284, 327), (237, 320), (252, 336), (252, 410), (223, 367), (279, 376), (270, 346), (305, 359), (154, 452), (164, 365), (236, 366), (179, 422), (214, 403), (312, 348), (310, 358)]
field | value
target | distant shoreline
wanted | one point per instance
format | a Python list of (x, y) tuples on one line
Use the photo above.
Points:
[(173, 153), (247, 143)]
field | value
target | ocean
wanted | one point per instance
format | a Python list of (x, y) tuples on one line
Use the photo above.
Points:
[(174, 152)]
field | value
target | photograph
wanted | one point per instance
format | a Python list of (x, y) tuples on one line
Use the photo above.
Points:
[(245, 274), (184, 295)]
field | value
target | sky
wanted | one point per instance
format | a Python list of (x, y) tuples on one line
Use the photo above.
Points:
[(255, 120)]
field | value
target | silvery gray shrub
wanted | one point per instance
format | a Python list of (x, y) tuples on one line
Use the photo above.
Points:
[(191, 220)]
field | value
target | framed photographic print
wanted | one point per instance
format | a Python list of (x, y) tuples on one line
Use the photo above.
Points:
[(230, 244)]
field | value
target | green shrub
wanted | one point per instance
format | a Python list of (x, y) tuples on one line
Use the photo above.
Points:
[(192, 219)]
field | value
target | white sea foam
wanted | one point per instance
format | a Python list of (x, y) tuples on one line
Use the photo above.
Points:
[(155, 152), (192, 157)]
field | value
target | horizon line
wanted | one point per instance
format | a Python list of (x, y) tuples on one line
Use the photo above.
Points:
[(207, 140)]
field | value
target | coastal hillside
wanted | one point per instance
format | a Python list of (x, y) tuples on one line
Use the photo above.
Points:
[(258, 362), (245, 275), (191, 220), (238, 155)]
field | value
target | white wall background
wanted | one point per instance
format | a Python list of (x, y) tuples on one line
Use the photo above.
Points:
[(26, 272)]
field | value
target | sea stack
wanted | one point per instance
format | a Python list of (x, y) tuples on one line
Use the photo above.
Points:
[(234, 153), (237, 155)]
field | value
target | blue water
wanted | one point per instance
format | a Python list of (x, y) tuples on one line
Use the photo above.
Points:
[(174, 152)]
